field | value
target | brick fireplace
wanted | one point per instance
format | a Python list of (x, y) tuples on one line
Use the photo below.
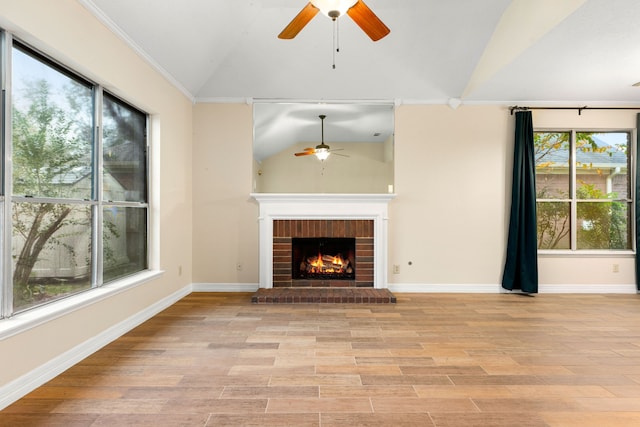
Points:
[(286, 230), (285, 217)]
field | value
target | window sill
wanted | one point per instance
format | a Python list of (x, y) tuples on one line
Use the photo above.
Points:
[(586, 254), (32, 318)]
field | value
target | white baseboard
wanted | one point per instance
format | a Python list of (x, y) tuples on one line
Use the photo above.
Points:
[(16, 389), (588, 289), (225, 287), (444, 289), (496, 288)]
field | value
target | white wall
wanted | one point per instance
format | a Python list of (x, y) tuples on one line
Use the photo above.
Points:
[(69, 33), (449, 219), (225, 218)]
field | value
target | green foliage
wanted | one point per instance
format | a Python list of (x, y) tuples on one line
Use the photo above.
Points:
[(603, 224), (553, 225)]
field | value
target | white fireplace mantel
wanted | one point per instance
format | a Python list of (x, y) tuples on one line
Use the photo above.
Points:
[(274, 206)]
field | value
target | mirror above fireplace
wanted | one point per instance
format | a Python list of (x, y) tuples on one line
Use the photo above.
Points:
[(361, 137)]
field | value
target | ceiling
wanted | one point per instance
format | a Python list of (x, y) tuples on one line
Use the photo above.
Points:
[(559, 52)]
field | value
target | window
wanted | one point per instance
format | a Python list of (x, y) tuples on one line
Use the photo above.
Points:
[(583, 190), (124, 189), (69, 227)]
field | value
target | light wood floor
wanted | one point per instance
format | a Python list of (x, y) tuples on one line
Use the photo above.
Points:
[(430, 360)]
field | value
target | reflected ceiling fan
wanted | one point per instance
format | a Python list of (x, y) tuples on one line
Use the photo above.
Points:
[(356, 9), (322, 150)]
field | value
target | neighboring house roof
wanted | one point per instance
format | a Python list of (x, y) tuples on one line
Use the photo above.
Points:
[(611, 157)]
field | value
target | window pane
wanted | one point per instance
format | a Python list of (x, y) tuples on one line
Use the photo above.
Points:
[(124, 145), (602, 165), (551, 150), (125, 241), (51, 252), (603, 225), (51, 130), (554, 228)]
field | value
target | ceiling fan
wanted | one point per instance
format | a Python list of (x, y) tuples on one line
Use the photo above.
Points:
[(356, 9), (322, 150)]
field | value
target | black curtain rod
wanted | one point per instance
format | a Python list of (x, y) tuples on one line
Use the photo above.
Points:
[(580, 109)]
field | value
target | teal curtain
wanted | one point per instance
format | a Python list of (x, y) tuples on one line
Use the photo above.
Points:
[(521, 266), (637, 212)]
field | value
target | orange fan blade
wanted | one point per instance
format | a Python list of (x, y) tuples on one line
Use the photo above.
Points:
[(298, 23), (368, 21), (306, 152)]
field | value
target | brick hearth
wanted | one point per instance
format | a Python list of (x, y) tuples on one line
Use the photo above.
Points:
[(286, 229), (323, 296)]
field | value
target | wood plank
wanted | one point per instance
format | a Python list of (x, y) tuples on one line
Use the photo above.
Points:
[(429, 359)]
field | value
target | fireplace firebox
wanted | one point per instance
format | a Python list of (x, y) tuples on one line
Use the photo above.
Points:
[(323, 258)]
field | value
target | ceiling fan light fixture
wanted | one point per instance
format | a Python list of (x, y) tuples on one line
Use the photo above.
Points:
[(322, 153), (330, 7)]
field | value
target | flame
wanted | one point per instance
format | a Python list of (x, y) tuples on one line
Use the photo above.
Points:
[(318, 266)]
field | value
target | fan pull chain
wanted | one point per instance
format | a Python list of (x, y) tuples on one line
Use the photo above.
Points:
[(336, 40), (333, 48), (337, 36)]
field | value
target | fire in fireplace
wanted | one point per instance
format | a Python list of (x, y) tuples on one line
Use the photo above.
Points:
[(323, 258)]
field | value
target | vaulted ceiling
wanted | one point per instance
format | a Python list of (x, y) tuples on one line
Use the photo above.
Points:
[(569, 52), (477, 51)]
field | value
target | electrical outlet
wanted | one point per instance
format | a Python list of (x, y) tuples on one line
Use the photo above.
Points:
[(615, 268), (396, 268)]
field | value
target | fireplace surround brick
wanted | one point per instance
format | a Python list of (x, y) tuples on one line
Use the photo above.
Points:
[(286, 229)]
